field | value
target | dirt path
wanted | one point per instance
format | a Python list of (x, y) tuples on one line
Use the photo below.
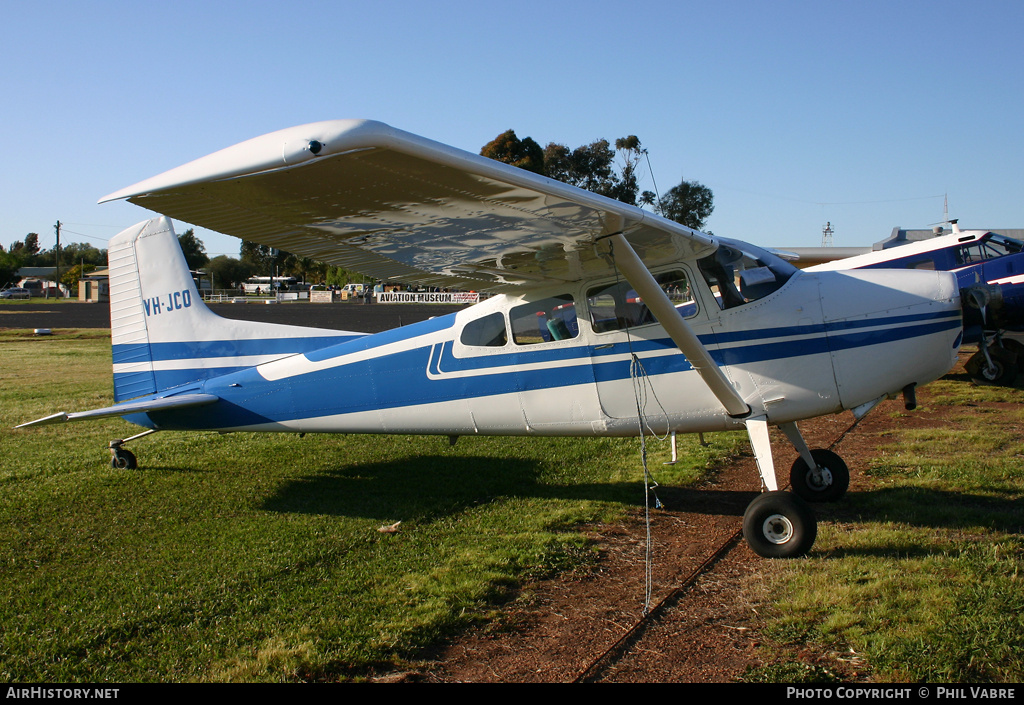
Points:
[(557, 630)]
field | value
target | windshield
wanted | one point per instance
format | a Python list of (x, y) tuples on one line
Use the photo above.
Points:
[(987, 247)]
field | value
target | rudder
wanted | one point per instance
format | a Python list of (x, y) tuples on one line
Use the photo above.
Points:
[(164, 336)]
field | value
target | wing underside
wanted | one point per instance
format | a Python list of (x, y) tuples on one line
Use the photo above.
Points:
[(373, 199)]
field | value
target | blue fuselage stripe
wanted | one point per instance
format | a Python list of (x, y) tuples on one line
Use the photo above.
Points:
[(187, 350), (400, 379)]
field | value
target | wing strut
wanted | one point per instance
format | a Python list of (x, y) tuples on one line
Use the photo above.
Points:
[(682, 335)]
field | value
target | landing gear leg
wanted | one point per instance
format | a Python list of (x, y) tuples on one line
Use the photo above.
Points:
[(121, 458), (776, 524), (757, 429)]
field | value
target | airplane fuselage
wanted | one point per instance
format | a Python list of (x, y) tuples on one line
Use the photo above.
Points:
[(812, 347)]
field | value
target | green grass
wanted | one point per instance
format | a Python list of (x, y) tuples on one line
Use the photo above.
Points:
[(920, 577), (258, 557), (38, 300)]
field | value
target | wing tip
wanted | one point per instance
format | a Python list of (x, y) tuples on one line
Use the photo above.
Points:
[(59, 417), (284, 147)]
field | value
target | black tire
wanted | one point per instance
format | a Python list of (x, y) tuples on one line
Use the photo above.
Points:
[(1017, 349), (124, 460), (1014, 346), (830, 486), (1002, 372), (779, 525)]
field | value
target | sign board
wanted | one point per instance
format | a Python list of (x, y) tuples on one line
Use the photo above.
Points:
[(424, 297)]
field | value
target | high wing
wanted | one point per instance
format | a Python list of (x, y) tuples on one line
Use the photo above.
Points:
[(393, 205), (365, 196)]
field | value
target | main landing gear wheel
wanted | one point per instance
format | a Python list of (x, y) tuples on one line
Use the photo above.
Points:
[(826, 483), (123, 459), (779, 525)]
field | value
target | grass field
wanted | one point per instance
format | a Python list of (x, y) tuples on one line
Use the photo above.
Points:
[(258, 557), (920, 578)]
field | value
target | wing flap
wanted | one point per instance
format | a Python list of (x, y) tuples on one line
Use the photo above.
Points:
[(183, 401)]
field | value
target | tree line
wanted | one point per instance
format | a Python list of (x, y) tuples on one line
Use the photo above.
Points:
[(596, 167), (75, 257), (610, 172), (78, 259)]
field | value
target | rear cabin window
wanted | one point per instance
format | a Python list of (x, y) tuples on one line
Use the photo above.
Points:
[(488, 331), (617, 306), (544, 321)]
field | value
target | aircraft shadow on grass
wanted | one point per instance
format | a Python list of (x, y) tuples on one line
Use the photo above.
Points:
[(430, 486), (434, 486), (928, 509)]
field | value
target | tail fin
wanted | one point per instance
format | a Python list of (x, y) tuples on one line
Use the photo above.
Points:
[(163, 334)]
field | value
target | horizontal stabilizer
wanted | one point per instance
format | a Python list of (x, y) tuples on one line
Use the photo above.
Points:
[(135, 407)]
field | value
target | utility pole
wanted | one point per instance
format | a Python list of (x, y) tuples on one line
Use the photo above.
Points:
[(57, 228)]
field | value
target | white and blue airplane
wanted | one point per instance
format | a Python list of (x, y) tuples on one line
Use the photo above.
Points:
[(990, 273), (607, 320)]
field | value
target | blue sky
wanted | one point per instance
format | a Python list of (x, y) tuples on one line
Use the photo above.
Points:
[(865, 114)]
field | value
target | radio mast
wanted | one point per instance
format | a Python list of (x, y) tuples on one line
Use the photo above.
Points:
[(826, 235)]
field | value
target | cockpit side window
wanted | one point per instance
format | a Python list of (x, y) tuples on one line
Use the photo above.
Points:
[(970, 254), (737, 277), (545, 320)]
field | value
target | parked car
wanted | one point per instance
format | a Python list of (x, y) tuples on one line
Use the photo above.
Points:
[(15, 292)]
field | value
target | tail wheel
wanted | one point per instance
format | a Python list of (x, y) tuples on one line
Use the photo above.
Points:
[(123, 460), (826, 483), (779, 525)]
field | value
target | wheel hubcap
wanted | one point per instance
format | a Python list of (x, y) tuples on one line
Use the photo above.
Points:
[(819, 480), (777, 529)]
